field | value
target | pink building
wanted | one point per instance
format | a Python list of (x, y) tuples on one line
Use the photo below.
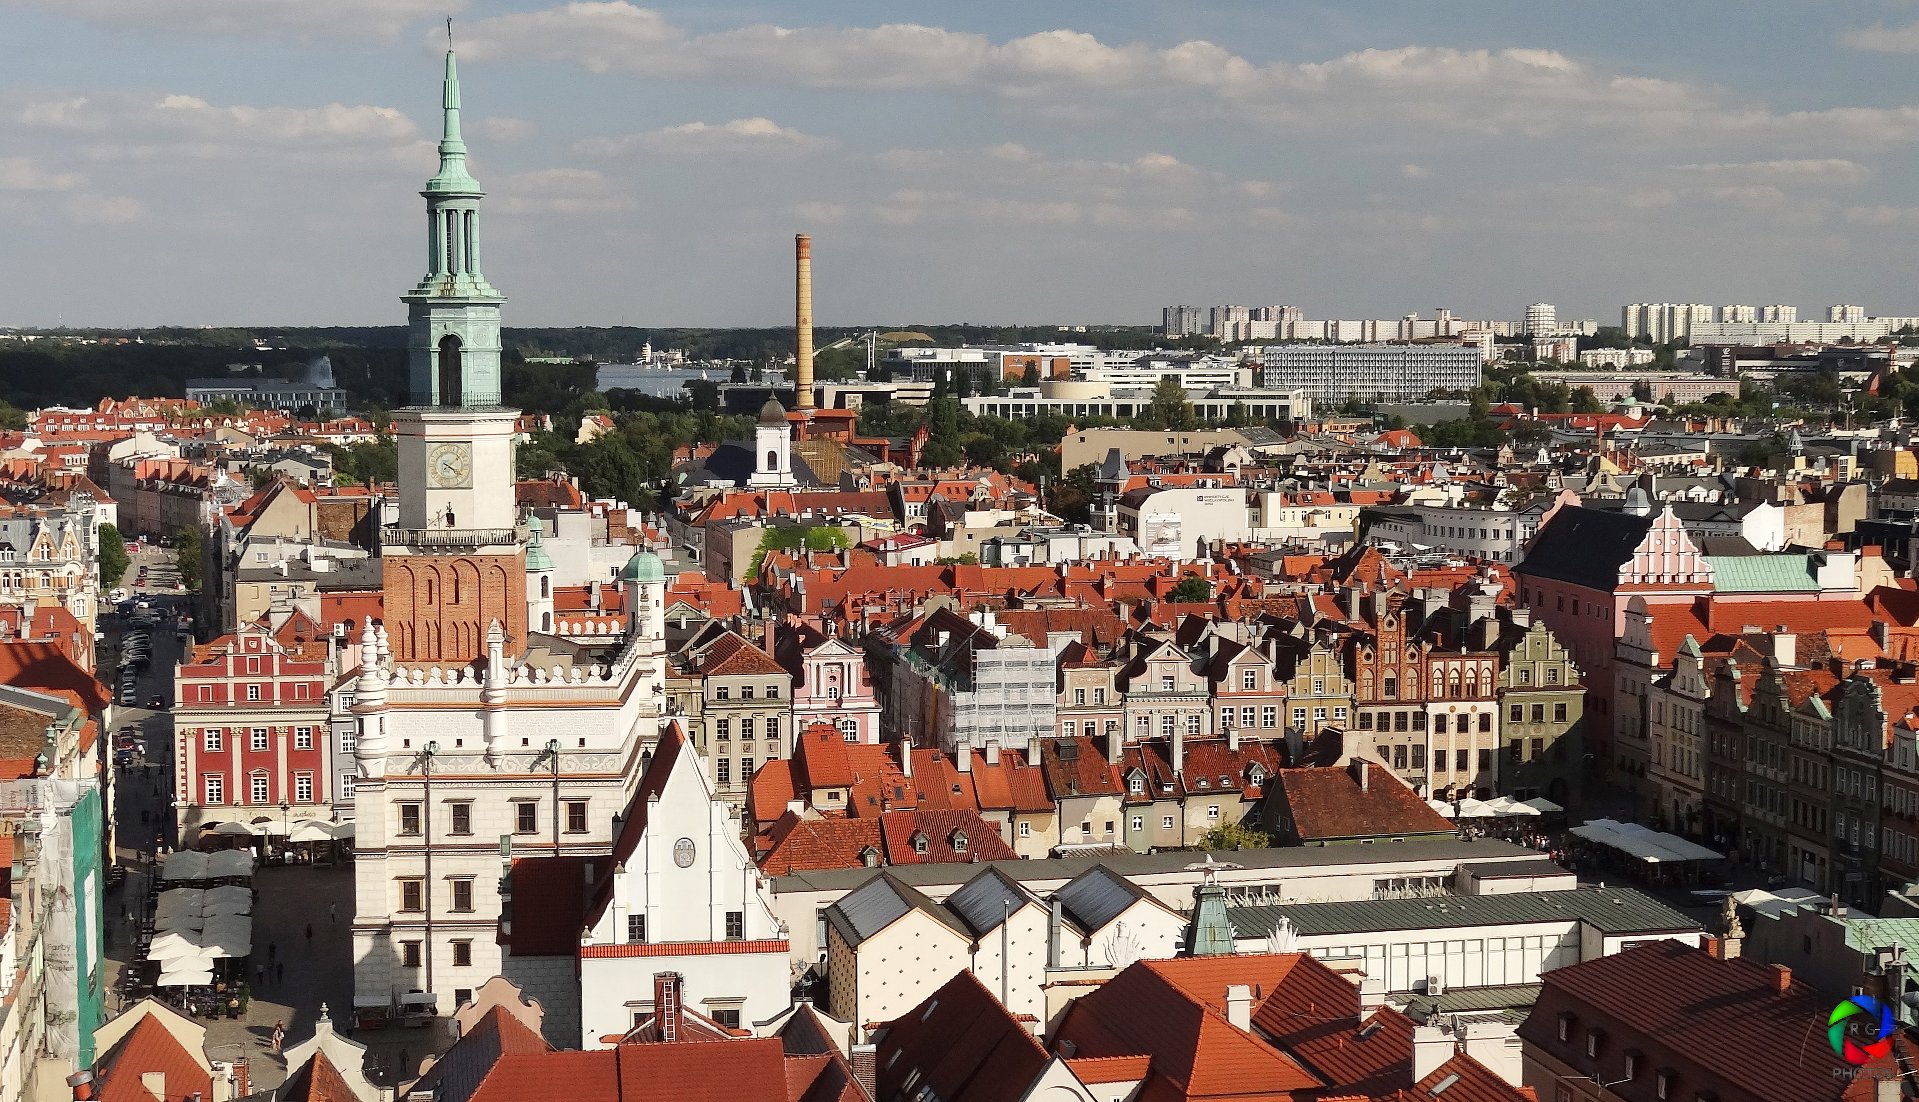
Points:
[(830, 683)]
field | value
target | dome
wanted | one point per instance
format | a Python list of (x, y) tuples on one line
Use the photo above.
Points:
[(642, 568), (772, 413)]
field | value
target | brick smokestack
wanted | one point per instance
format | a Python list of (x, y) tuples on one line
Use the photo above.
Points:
[(803, 321), (666, 1005)]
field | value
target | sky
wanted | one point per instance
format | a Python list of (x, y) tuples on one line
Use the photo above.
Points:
[(257, 162)]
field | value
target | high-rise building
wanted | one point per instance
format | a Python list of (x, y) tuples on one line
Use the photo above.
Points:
[(1664, 322), (1227, 321), (1331, 374), (1738, 314), (1183, 321), (1541, 319), (1845, 312), (1779, 313)]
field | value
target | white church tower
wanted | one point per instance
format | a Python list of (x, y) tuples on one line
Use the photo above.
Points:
[(772, 450)]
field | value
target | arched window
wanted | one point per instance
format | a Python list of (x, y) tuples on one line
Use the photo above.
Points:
[(450, 370), (546, 586), (429, 591), (772, 461)]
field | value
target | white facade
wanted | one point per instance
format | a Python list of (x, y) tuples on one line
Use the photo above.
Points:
[(686, 897), (1541, 318), (1398, 372)]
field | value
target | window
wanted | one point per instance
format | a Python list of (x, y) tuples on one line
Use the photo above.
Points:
[(1552, 676), (746, 692), (526, 817), (576, 816), (729, 1018), (919, 841), (253, 692), (1539, 713), (1079, 696), (1099, 696), (1166, 822), (463, 958), (303, 738), (462, 894), (1268, 716), (735, 925), (1365, 721), (216, 788), (409, 954), (1463, 757), (409, 820), (347, 739), (1439, 724), (723, 772), (1516, 749), (344, 789), (746, 729), (257, 788), (1319, 685), (1249, 680), (1167, 725), (723, 728), (746, 770), (1138, 823), (959, 841), (1525, 676), (259, 739), (1485, 722), (211, 739), (412, 894), (303, 788), (1212, 811), (1559, 712), (1136, 785), (636, 928), (1026, 830), (1144, 725), (1192, 724), (462, 812), (722, 693), (1166, 683), (1516, 712)]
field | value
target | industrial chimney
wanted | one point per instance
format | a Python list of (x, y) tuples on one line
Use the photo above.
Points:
[(803, 322)]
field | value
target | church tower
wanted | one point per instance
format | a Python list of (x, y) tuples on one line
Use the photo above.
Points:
[(456, 561)]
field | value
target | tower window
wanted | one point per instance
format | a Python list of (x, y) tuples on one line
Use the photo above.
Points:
[(772, 461), (449, 369)]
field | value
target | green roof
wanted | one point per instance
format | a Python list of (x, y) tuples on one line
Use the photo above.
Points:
[(1610, 910), (536, 557), (1762, 574), (1867, 934), (644, 566)]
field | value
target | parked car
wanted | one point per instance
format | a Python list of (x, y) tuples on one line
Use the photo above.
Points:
[(157, 703)]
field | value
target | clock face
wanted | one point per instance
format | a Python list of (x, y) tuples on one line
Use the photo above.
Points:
[(683, 853), (450, 466)]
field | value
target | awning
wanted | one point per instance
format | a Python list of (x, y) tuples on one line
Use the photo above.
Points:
[(186, 864), (185, 979), (228, 864), (1651, 846)]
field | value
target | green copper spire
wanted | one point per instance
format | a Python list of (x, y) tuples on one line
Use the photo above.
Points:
[(452, 177)]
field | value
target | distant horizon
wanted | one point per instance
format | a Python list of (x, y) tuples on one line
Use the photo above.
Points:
[(184, 158)]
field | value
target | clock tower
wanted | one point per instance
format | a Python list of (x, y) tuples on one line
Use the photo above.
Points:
[(455, 563)]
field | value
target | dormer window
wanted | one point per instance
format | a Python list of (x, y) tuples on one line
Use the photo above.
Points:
[(1565, 1025), (870, 857), (1256, 775), (919, 841), (1136, 785), (1205, 783), (959, 841), (1595, 1042)]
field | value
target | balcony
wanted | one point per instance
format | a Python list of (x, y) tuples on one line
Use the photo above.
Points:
[(441, 539)]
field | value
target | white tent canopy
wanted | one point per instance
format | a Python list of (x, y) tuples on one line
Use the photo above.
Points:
[(228, 935), (186, 864), (311, 830), (1470, 808), (1504, 806), (173, 944), (228, 864), (1543, 805), (1442, 807), (185, 979), (1648, 845)]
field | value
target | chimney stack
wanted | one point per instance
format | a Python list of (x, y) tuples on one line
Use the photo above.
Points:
[(803, 322), (666, 1005), (1239, 1007)]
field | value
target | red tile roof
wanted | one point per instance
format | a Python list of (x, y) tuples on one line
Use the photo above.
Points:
[(1326, 803), (686, 948), (149, 1048), (961, 1044), (748, 1069), (732, 655)]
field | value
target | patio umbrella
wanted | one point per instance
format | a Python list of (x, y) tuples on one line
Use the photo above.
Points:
[(227, 899), (228, 864), (268, 828), (173, 945), (343, 829), (182, 923), (1445, 809), (1543, 805), (1470, 808), (186, 864), (230, 830), (184, 979), (311, 830)]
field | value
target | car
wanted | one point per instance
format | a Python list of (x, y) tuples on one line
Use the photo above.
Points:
[(128, 695), (156, 702)]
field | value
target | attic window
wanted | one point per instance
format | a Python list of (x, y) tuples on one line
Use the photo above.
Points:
[(870, 857), (1225, 781), (919, 841), (1205, 783), (959, 841), (1136, 785), (1256, 775), (1595, 1041), (1565, 1025)]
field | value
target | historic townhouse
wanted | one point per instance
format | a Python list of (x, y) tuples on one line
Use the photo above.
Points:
[(1675, 718), (251, 729), (1542, 702), (744, 709), (1862, 715), (1249, 700), (830, 683), (1090, 704), (1166, 695), (1809, 788), (1462, 679)]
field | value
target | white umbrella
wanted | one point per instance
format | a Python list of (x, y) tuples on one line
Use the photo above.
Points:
[(1441, 806), (268, 828), (230, 830), (1470, 808), (199, 962), (343, 829), (186, 864), (1543, 805), (174, 944), (229, 863), (310, 830), (185, 979), (1506, 805)]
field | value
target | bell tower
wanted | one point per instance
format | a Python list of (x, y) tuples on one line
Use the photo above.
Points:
[(455, 563)]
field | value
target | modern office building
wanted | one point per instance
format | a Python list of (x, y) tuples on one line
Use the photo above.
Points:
[(1392, 372)]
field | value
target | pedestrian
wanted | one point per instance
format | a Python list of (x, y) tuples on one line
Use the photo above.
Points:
[(279, 1034), (309, 933), (333, 913), (260, 974), (279, 971)]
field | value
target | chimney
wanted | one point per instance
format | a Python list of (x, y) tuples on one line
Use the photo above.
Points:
[(1179, 748), (766, 636), (1432, 1046), (1055, 922), (964, 752), (156, 1084), (1232, 735), (865, 1063), (1239, 1007), (82, 1084), (906, 757), (1781, 979), (1785, 648), (666, 1005), (1362, 773), (803, 322), (992, 751)]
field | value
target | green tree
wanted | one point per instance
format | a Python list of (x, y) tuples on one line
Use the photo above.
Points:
[(608, 467), (1169, 408), (943, 447), (1191, 590), (113, 557), (1585, 401), (186, 556), (1234, 836), (1073, 495), (12, 417), (1031, 378)]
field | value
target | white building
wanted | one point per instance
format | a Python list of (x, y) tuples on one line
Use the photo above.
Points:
[(1542, 318), (1616, 357), (1664, 322), (1394, 372)]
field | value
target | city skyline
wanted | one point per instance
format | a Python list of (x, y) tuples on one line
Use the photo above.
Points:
[(210, 162)]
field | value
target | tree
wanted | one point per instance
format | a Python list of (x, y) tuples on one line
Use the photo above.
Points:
[(1585, 401), (739, 373), (1191, 590), (1169, 408), (186, 556), (1073, 495), (1234, 836), (12, 417), (113, 559), (1031, 378)]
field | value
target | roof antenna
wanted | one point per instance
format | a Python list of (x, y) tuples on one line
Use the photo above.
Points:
[(449, 32)]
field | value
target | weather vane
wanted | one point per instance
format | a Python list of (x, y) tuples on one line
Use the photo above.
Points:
[(449, 32)]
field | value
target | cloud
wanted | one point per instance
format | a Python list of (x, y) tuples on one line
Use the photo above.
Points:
[(1414, 172), (1427, 90), (754, 136), (564, 191), (22, 174), (104, 210), (501, 128), (1835, 169), (333, 19), (1880, 216), (820, 212), (1881, 39), (185, 127)]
